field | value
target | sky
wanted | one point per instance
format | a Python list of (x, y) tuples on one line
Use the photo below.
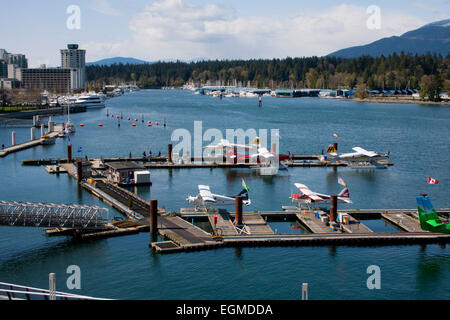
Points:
[(187, 30)]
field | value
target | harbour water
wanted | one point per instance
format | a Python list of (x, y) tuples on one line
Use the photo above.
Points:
[(125, 268)]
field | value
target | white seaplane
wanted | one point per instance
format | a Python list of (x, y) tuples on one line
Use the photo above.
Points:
[(207, 199), (366, 159), (307, 197)]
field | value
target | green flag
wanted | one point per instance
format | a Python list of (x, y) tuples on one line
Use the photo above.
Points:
[(245, 186)]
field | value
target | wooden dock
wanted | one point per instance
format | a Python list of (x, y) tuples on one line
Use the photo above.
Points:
[(356, 226), (403, 221), (29, 144), (253, 224), (312, 223), (186, 235)]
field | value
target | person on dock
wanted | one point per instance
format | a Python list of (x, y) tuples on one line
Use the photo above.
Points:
[(3, 146), (130, 155), (159, 154), (144, 154), (150, 153)]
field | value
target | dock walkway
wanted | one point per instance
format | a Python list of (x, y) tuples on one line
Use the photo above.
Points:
[(29, 144), (403, 221), (315, 225), (355, 226)]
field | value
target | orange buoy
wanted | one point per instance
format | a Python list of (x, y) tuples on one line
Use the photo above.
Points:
[(156, 123), (129, 118), (100, 125), (133, 125), (112, 116), (135, 119), (117, 117), (149, 124), (81, 124)]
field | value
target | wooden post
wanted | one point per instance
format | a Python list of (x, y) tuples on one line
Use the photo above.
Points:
[(69, 153), (52, 286), (79, 170), (169, 153), (153, 217), (333, 207), (304, 291), (238, 214), (13, 138)]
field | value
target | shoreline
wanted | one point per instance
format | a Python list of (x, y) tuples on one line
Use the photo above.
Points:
[(401, 101)]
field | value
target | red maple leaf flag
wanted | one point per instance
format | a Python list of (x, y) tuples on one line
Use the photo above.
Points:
[(432, 181)]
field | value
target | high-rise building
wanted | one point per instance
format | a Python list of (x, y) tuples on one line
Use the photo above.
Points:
[(3, 69), (3, 55), (74, 58), (18, 60)]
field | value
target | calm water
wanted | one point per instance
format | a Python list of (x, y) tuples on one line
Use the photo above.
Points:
[(125, 268)]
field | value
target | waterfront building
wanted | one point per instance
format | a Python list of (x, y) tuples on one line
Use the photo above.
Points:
[(50, 79), (75, 59)]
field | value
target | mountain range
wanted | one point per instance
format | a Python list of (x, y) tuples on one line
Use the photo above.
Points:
[(433, 38), (117, 60)]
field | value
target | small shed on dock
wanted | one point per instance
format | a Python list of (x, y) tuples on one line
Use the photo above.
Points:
[(126, 173)]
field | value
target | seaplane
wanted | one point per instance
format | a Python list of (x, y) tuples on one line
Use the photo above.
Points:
[(207, 199), (366, 159), (308, 197), (254, 148)]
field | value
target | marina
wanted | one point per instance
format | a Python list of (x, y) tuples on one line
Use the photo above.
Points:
[(267, 233)]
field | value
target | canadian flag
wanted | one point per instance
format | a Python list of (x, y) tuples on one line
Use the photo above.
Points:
[(432, 181)]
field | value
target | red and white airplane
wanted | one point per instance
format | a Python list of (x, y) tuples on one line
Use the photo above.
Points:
[(254, 148), (308, 196)]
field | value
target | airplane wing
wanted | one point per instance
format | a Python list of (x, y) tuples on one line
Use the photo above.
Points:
[(307, 192), (220, 145), (206, 194), (365, 152), (264, 153)]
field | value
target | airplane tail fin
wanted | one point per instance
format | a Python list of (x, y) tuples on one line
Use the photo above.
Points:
[(256, 141), (428, 216), (344, 193), (243, 194), (332, 149)]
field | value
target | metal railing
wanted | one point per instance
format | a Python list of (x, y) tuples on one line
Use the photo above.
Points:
[(10, 291), (31, 214)]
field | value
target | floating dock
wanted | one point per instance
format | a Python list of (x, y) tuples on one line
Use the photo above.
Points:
[(30, 144)]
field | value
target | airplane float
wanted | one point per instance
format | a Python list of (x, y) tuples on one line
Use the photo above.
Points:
[(206, 198), (429, 219), (307, 196), (360, 155)]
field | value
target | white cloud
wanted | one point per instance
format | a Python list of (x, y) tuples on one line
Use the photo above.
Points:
[(176, 29), (103, 6)]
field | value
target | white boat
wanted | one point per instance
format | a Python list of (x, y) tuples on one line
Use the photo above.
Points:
[(91, 101)]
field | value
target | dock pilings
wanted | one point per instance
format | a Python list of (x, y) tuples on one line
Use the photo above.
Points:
[(238, 211), (333, 207), (153, 219)]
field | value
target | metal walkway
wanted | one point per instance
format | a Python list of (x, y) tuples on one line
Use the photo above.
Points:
[(53, 215)]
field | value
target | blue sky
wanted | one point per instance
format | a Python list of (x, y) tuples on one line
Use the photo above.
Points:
[(194, 29)]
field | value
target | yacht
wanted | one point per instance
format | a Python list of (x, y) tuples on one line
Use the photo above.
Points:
[(91, 101)]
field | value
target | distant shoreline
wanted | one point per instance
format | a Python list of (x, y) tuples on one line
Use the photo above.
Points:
[(401, 101)]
